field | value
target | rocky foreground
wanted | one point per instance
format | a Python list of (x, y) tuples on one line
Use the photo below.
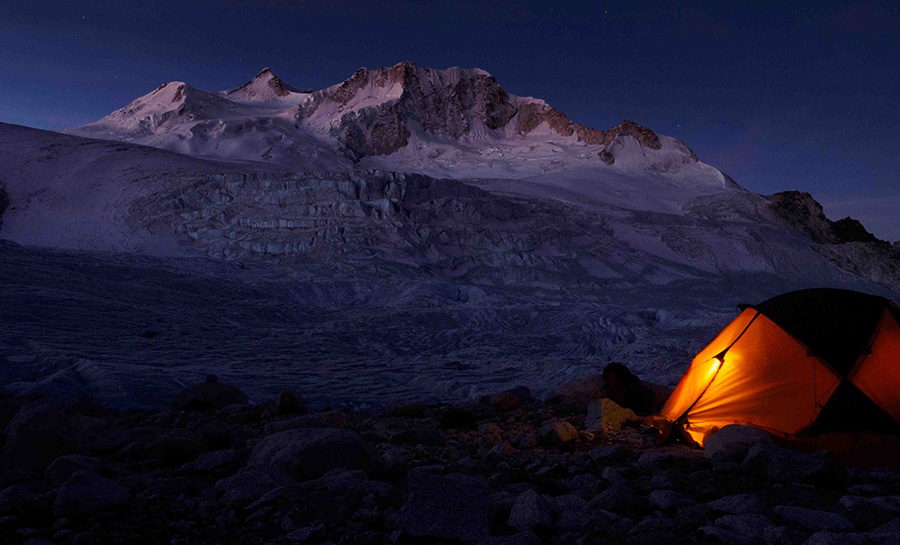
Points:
[(507, 470)]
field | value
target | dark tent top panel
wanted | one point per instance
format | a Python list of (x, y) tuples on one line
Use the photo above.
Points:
[(835, 324)]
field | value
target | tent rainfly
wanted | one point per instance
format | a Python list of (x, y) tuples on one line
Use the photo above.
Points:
[(802, 364)]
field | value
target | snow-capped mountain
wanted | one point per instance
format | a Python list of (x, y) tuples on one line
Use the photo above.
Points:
[(457, 123), (423, 225)]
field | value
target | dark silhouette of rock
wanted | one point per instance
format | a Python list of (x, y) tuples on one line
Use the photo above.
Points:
[(38, 434), (289, 402), (308, 453), (86, 492), (208, 395), (63, 467), (530, 511), (329, 419)]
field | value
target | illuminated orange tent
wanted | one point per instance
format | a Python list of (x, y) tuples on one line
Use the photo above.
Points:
[(801, 364)]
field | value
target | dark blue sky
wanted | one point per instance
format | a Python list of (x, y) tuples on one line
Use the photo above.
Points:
[(779, 97)]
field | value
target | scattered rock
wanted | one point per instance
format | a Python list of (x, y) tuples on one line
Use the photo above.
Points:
[(86, 492)]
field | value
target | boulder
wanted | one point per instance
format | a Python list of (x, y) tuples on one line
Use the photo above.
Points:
[(63, 467), (508, 400), (749, 525), (502, 402), (290, 402), (618, 498), (813, 519), (779, 464), (451, 507), (13, 498), (738, 504), (330, 419), (307, 453), (86, 493), (579, 393), (38, 434), (209, 395), (593, 420), (571, 512), (734, 441), (870, 512), (669, 499), (245, 487), (557, 432), (606, 415), (530, 511)]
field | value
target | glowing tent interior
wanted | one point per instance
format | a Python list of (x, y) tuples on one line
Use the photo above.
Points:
[(802, 364)]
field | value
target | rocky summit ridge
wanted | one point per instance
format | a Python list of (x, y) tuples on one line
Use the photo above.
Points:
[(373, 113)]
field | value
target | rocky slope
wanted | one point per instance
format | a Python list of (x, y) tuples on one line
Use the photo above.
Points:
[(509, 469)]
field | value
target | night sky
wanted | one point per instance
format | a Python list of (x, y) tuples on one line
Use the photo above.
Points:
[(777, 97)]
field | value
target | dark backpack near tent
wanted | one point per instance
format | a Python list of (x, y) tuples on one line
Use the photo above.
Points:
[(819, 368)]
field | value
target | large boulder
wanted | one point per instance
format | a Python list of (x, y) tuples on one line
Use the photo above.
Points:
[(813, 519), (210, 394), (65, 466), (307, 453), (507, 400), (290, 402), (579, 393), (530, 511), (734, 441), (86, 493), (245, 487), (779, 464), (451, 507), (555, 432), (38, 434)]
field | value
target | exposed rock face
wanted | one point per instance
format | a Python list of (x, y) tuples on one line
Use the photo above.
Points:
[(645, 136), (4, 203), (451, 103), (801, 212), (264, 86), (846, 241), (851, 230)]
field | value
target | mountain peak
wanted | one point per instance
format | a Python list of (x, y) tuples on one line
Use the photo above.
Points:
[(264, 86)]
